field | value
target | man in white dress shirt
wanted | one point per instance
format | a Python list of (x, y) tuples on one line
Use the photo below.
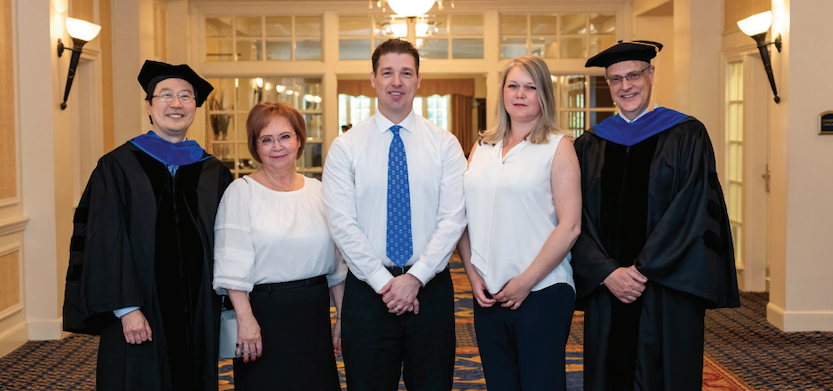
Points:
[(393, 187)]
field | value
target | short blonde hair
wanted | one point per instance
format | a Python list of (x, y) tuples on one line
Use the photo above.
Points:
[(537, 69)]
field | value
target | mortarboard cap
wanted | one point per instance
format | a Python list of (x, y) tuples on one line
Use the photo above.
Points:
[(154, 71), (625, 51)]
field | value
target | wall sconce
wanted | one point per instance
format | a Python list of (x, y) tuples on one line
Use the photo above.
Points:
[(756, 27), (81, 33)]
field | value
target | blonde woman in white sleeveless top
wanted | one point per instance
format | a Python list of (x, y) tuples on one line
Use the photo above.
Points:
[(523, 203)]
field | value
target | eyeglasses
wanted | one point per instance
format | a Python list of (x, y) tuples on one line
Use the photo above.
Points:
[(632, 77), (268, 141), (168, 98)]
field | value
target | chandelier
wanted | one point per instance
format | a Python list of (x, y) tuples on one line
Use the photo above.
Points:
[(408, 8)]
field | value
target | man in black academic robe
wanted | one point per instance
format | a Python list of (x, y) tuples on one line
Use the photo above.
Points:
[(655, 249), (141, 257)]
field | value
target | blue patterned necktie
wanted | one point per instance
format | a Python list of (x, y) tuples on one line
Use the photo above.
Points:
[(400, 247)]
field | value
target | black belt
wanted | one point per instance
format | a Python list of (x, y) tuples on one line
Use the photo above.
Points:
[(279, 286), (398, 271)]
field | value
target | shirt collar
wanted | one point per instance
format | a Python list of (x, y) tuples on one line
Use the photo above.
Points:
[(384, 124), (638, 116)]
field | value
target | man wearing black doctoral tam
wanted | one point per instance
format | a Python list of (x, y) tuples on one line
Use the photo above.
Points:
[(655, 249), (141, 255)]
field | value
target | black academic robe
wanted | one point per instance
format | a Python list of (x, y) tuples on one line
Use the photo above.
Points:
[(657, 205), (143, 237)]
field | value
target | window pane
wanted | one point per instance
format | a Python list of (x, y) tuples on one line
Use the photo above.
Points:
[(277, 51), (384, 26), (573, 24), (240, 134), (513, 47), (545, 47), (354, 49), (599, 92), (218, 50), (353, 25), (602, 24), (572, 47), (222, 98), (309, 89), (218, 27), (278, 26), (249, 26), (249, 50), (572, 121), (314, 126), (467, 25), (513, 25), (308, 50), (467, 48), (307, 26), (433, 48), (226, 153), (572, 95), (599, 43), (430, 26), (311, 157), (543, 24), (221, 125), (399, 28), (418, 106), (246, 95)]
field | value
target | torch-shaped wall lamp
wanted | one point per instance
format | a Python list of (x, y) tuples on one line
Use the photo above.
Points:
[(756, 27), (81, 33)]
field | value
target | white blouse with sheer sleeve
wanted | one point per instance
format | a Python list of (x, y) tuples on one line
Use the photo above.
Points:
[(263, 236)]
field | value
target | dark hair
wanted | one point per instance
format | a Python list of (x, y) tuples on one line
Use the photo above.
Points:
[(395, 45), (263, 114)]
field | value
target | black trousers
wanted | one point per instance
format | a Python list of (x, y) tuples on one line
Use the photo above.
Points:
[(524, 349), (652, 344), (297, 342), (379, 346)]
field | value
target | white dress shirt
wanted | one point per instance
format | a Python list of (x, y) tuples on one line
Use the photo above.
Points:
[(263, 236), (355, 193), (511, 213)]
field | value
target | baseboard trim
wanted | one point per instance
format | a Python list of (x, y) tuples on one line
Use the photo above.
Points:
[(791, 321), (13, 338), (45, 329)]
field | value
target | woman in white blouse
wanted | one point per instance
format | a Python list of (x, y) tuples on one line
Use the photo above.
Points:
[(523, 204), (273, 245)]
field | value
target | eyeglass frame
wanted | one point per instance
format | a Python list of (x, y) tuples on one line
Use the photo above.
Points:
[(281, 140), (188, 98), (631, 77)]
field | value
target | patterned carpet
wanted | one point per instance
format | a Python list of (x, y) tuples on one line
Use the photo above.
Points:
[(743, 353)]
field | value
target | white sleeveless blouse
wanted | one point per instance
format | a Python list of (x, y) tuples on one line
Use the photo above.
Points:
[(511, 213)]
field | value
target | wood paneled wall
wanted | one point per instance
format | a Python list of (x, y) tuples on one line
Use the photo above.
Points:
[(8, 155), (9, 278), (735, 10)]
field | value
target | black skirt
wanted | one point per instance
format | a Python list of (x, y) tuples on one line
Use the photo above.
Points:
[(297, 339)]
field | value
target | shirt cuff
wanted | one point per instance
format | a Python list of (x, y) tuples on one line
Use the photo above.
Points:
[(379, 279), (422, 273), (124, 311)]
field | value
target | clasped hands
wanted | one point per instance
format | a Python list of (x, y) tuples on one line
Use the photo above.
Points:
[(626, 283), (400, 294)]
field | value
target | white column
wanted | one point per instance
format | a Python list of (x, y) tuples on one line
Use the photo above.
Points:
[(132, 45), (698, 26), (38, 102), (801, 214)]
